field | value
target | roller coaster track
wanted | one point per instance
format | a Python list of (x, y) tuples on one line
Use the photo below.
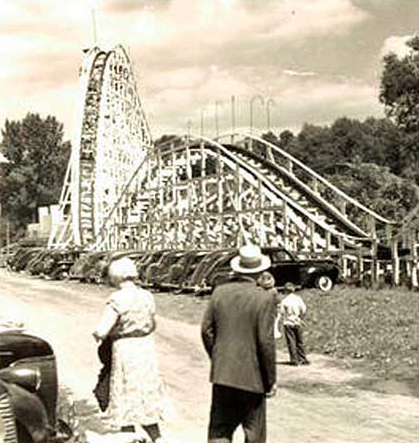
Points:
[(250, 193), (191, 192)]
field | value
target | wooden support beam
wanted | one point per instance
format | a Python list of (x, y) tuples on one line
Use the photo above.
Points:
[(395, 261), (312, 227), (414, 254), (343, 205), (360, 265), (286, 230)]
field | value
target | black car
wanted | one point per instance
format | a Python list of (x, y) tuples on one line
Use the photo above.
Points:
[(149, 259), (84, 268), (157, 271), (23, 256), (37, 264), (196, 281), (286, 267), (180, 272), (29, 391), (58, 263)]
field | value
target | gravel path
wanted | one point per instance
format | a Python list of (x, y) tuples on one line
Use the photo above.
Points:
[(319, 403)]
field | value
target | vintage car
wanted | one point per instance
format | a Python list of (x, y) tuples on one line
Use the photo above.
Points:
[(156, 272), (149, 259), (58, 263), (23, 256), (195, 282), (322, 274), (179, 272), (37, 263), (29, 391), (84, 268)]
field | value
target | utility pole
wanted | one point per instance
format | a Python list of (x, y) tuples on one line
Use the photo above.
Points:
[(217, 128), (233, 114), (202, 122), (268, 112), (94, 26), (262, 102)]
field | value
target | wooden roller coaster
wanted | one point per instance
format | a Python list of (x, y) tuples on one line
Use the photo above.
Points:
[(122, 191)]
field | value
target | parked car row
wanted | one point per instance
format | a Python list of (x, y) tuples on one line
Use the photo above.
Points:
[(177, 271), (44, 262), (200, 271)]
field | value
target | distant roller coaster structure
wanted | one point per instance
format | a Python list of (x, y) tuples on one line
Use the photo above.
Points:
[(124, 191), (112, 136)]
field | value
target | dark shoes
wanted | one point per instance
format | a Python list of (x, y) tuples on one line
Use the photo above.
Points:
[(304, 362)]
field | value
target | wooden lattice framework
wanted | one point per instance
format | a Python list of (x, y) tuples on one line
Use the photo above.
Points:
[(121, 191), (197, 193), (112, 137)]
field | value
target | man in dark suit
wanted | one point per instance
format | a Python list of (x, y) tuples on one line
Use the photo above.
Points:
[(237, 332)]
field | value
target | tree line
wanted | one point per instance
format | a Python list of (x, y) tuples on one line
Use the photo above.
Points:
[(376, 161)]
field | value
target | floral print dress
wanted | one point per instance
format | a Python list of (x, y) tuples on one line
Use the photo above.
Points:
[(137, 394)]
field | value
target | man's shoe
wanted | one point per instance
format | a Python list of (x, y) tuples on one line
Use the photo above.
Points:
[(293, 363), (305, 362)]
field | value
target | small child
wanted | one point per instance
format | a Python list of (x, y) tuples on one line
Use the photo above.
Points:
[(267, 281), (293, 310)]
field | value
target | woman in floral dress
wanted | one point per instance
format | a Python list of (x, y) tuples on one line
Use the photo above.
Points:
[(136, 394)]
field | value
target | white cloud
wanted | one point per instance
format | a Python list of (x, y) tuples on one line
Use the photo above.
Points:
[(191, 54), (396, 45), (292, 73)]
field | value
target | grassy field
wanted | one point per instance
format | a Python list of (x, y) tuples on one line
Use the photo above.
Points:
[(377, 330)]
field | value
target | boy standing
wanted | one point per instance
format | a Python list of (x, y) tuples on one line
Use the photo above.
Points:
[(293, 310)]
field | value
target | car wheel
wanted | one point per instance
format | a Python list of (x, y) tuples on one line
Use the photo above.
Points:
[(63, 275), (324, 283)]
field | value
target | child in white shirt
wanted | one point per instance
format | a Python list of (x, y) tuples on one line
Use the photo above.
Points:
[(292, 311)]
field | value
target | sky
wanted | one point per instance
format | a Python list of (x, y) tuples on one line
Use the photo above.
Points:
[(286, 62)]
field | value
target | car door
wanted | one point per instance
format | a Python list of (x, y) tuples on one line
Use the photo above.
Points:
[(285, 268)]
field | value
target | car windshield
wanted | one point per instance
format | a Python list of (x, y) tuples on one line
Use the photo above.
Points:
[(280, 255)]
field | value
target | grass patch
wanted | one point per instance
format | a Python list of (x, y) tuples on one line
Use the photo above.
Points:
[(373, 329), (377, 327)]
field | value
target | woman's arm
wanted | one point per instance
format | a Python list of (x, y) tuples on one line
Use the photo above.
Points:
[(153, 323), (107, 322)]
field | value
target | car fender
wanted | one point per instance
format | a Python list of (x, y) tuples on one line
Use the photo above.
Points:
[(29, 412)]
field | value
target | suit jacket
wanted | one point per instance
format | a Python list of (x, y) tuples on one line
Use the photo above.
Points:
[(237, 332)]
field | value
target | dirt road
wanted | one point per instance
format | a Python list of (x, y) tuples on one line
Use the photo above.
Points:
[(319, 403)]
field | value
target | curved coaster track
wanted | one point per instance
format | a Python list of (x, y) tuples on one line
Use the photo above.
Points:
[(112, 135), (122, 191), (198, 193)]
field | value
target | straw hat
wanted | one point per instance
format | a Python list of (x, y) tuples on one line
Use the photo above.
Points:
[(250, 260)]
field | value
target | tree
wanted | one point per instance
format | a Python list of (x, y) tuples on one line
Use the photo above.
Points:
[(399, 88), (312, 146), (38, 160), (377, 188)]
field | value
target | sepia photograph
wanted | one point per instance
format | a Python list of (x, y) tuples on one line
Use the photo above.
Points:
[(209, 221)]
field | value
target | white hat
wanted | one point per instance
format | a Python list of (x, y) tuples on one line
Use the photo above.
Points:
[(250, 260)]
